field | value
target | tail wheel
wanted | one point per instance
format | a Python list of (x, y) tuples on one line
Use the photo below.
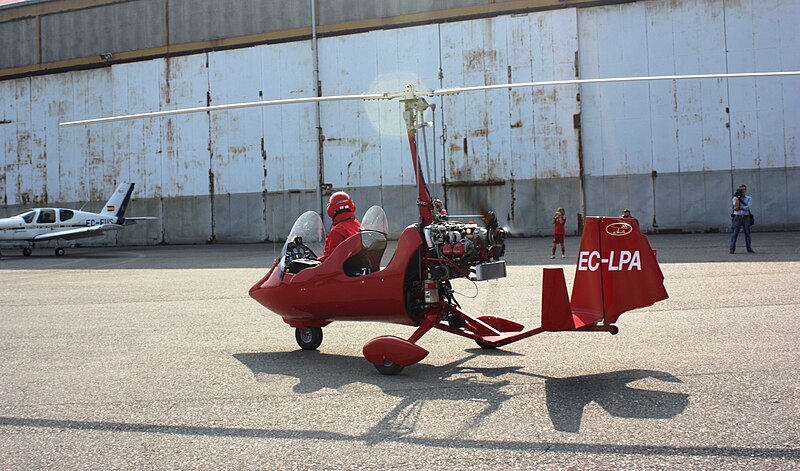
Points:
[(614, 330), (59, 252), (388, 368), (27, 251), (309, 338)]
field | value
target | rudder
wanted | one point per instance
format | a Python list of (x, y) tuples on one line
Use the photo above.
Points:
[(617, 270), (118, 203)]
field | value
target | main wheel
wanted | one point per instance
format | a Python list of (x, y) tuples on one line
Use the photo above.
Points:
[(388, 368), (485, 345), (27, 251), (59, 252), (614, 330), (309, 338)]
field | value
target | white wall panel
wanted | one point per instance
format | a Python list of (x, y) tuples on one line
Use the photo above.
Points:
[(521, 133), (237, 160), (15, 115), (92, 162), (478, 128), (765, 121), (51, 100), (38, 142), (681, 126), (137, 153), (365, 142), (290, 135), (349, 65), (554, 44), (405, 56), (6, 103), (542, 46), (22, 145), (699, 42), (184, 139)]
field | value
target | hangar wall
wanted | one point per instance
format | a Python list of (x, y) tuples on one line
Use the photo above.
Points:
[(671, 151)]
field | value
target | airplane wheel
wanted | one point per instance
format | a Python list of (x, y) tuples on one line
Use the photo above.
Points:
[(59, 252), (485, 345), (388, 368), (309, 338), (614, 330), (27, 251)]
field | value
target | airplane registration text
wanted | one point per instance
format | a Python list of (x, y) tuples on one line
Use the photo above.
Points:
[(623, 260), (100, 222)]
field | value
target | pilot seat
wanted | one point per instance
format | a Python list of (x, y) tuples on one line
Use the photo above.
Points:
[(368, 259)]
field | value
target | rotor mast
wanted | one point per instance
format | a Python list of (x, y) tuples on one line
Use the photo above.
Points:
[(413, 107)]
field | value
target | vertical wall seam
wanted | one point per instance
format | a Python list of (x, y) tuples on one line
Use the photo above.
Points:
[(653, 170)]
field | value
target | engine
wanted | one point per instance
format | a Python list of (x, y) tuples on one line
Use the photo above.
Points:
[(459, 249)]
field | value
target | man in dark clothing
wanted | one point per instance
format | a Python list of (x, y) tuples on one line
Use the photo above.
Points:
[(740, 217)]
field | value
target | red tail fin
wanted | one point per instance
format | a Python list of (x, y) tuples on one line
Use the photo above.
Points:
[(617, 272), (556, 312)]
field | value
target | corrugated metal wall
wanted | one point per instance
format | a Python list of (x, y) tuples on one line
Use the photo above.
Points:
[(664, 149), (673, 151)]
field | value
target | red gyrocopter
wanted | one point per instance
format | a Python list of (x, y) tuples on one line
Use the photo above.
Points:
[(617, 272)]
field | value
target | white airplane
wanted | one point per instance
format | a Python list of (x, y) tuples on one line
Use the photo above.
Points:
[(61, 224)]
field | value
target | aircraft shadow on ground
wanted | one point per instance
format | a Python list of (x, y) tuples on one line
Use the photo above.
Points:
[(566, 398)]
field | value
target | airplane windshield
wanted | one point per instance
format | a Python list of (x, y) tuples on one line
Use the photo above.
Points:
[(375, 220), (27, 216), (305, 240)]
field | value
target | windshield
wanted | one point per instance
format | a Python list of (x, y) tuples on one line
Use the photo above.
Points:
[(375, 220), (310, 230), (27, 216)]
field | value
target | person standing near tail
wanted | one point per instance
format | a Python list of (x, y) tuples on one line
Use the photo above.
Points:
[(626, 213), (559, 220)]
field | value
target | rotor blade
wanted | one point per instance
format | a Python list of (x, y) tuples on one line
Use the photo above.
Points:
[(450, 91), (202, 109)]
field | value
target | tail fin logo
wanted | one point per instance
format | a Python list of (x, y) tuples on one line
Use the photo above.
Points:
[(619, 229)]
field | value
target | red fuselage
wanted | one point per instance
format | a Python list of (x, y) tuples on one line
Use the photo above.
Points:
[(316, 296)]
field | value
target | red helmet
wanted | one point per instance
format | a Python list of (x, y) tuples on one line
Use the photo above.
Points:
[(340, 202)]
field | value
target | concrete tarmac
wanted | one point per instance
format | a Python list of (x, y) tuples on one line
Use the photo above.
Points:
[(156, 357)]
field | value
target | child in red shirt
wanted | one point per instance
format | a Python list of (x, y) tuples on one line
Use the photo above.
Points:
[(558, 232)]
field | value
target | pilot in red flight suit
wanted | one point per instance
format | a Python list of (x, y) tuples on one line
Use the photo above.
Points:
[(342, 211)]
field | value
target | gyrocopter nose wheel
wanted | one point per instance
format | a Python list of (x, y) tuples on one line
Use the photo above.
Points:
[(309, 338), (388, 368)]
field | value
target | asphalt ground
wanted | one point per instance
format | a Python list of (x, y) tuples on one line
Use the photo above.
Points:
[(155, 357)]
